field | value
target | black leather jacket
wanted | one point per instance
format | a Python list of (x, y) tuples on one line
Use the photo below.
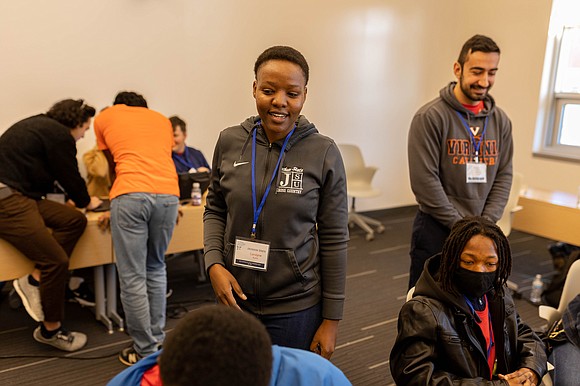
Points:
[(440, 343)]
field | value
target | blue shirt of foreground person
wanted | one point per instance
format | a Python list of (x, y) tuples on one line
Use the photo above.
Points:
[(290, 367), (218, 345)]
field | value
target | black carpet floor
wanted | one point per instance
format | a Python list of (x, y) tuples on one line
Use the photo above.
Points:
[(377, 279)]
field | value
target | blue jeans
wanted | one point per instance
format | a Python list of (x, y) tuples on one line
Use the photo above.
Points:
[(565, 359), (142, 225), (294, 330)]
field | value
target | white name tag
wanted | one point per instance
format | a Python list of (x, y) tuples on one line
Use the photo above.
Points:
[(251, 254), (476, 173)]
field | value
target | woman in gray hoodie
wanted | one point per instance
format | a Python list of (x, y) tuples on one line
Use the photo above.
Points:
[(276, 218)]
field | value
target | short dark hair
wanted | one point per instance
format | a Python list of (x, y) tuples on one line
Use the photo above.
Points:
[(130, 98), (283, 53), (71, 113), (460, 235), (176, 121), (477, 43), (217, 346)]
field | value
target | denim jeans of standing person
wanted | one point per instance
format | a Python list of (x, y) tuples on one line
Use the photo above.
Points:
[(142, 225), (295, 329)]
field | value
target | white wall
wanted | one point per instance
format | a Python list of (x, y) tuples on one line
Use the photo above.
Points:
[(373, 63)]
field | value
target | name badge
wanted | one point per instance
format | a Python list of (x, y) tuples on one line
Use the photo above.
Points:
[(476, 173), (251, 254)]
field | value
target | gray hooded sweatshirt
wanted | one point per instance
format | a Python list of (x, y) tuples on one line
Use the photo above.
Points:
[(440, 145), (304, 218)]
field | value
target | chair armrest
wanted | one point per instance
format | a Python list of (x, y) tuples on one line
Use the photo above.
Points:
[(548, 313)]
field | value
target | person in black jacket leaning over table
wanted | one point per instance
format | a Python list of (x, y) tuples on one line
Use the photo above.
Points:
[(461, 326), (34, 154), (275, 223)]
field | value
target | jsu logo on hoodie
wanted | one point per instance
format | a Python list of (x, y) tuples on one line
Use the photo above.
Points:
[(290, 180)]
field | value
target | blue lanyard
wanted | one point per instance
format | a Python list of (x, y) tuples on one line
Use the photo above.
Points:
[(476, 146), (258, 210), (184, 160), (488, 322)]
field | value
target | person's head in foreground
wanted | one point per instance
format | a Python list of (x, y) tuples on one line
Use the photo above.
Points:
[(217, 346)]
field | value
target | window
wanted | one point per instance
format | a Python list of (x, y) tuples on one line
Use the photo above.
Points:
[(559, 123)]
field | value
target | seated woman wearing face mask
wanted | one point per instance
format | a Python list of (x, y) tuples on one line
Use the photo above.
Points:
[(461, 326)]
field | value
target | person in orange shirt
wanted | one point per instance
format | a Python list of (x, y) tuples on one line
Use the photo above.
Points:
[(144, 195)]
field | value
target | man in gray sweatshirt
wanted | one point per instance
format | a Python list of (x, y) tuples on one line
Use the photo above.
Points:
[(460, 153)]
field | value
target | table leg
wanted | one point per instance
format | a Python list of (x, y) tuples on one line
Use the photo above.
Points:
[(112, 296), (100, 298)]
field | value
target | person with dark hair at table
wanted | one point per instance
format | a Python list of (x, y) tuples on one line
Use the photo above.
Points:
[(186, 158), (461, 326), (35, 153)]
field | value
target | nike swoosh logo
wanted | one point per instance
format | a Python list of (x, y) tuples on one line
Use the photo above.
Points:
[(236, 164)]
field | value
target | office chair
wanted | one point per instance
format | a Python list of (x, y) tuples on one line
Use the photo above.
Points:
[(571, 289), (505, 222), (358, 181)]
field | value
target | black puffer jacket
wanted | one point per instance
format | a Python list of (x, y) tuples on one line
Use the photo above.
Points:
[(440, 343)]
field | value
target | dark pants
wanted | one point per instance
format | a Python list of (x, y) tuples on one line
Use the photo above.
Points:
[(294, 330), (427, 240), (24, 223)]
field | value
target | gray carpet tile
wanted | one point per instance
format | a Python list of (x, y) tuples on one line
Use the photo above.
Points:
[(377, 276)]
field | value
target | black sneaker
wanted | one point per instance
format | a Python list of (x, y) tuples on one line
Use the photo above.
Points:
[(82, 295), (128, 356)]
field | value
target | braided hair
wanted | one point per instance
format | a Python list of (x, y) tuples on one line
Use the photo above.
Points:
[(454, 245)]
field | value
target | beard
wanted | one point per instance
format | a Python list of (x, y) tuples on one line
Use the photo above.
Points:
[(466, 89)]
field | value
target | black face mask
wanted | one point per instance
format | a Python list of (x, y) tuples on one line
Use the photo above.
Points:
[(474, 284)]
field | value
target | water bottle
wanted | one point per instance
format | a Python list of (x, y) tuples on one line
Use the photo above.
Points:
[(537, 286), (196, 194)]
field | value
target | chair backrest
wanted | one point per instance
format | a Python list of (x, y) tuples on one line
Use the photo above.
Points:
[(352, 157), (571, 286), (505, 222)]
